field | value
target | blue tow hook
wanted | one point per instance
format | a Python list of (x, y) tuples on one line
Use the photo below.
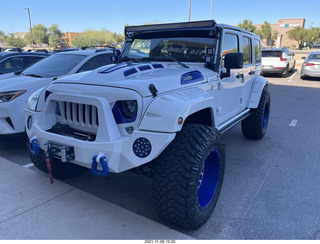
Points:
[(94, 167), (34, 147)]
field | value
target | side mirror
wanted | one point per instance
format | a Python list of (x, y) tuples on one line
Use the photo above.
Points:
[(232, 61)]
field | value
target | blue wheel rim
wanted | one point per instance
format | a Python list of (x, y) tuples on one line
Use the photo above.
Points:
[(265, 116), (209, 178)]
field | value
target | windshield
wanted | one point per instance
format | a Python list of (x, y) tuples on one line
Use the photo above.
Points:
[(183, 46), (55, 65)]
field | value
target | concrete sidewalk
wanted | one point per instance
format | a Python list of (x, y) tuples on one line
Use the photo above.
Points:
[(32, 208)]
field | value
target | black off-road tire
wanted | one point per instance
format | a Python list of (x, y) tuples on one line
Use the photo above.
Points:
[(188, 176), (59, 170), (255, 126)]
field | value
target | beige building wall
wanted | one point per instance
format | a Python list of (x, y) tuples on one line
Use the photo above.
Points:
[(282, 27), (70, 36)]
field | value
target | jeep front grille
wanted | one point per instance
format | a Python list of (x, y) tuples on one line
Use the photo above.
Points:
[(77, 114)]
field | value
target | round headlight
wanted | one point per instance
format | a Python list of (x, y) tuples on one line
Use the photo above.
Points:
[(130, 108)]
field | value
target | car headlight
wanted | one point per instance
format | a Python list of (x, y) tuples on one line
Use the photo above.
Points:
[(130, 108), (33, 100), (11, 95), (125, 111)]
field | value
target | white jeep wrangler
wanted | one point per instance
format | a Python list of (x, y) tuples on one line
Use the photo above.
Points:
[(173, 90)]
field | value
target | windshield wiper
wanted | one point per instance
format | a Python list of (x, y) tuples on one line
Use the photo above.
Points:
[(164, 58), (33, 75)]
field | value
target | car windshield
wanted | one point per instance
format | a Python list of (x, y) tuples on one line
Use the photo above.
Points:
[(167, 46), (314, 56), (271, 54), (55, 65)]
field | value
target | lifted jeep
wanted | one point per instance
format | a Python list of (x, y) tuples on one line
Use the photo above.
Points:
[(167, 99)]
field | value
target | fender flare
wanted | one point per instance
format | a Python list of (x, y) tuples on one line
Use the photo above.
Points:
[(259, 84), (163, 112)]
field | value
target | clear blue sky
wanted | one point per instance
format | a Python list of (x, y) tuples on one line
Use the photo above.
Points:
[(80, 15)]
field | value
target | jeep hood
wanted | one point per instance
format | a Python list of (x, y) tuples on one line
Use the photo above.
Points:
[(138, 77)]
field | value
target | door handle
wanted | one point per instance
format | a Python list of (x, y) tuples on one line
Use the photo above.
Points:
[(239, 76)]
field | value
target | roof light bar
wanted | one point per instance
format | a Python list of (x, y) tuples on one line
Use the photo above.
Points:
[(182, 25)]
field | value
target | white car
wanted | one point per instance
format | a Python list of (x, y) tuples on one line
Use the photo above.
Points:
[(311, 66), (15, 91), (277, 61)]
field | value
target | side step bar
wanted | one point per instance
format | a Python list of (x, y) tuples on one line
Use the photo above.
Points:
[(234, 121)]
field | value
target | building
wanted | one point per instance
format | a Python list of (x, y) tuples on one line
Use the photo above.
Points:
[(20, 35), (69, 36), (282, 28)]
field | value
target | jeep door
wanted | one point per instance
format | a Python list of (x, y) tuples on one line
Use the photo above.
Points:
[(230, 88), (249, 68)]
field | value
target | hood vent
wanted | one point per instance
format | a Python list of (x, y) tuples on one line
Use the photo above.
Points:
[(192, 76), (130, 72), (144, 67)]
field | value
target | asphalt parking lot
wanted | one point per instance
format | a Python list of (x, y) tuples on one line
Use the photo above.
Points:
[(271, 187)]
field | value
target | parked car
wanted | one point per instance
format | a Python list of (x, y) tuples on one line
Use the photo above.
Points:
[(16, 61), (316, 45), (13, 49), (38, 50), (278, 61), (14, 92), (311, 66), (162, 110)]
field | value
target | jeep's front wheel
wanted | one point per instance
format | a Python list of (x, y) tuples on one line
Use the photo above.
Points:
[(255, 126), (188, 176)]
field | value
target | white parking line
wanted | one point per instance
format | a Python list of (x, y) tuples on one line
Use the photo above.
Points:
[(293, 123), (27, 165), (291, 78)]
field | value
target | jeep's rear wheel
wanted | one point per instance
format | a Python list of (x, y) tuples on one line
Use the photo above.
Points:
[(59, 170), (255, 126), (188, 176)]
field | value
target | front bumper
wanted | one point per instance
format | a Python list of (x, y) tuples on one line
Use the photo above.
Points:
[(11, 117), (121, 152)]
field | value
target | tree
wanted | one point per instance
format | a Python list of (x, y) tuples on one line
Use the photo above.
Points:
[(54, 36), (313, 34), (2, 36), (299, 34), (15, 42), (54, 41), (247, 25), (54, 29), (266, 32), (39, 33), (97, 38)]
